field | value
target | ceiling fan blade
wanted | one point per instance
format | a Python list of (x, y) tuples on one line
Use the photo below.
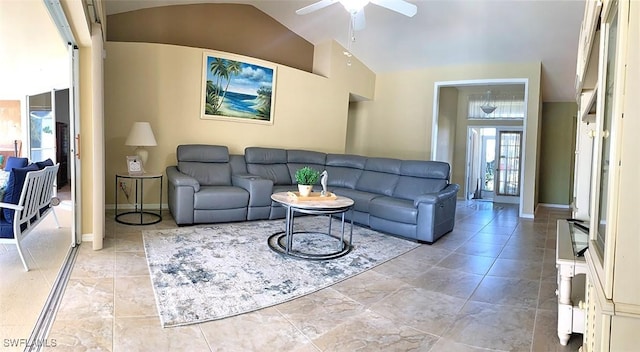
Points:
[(315, 6), (400, 6), (358, 20)]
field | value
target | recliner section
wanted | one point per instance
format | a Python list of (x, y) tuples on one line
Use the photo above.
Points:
[(407, 198)]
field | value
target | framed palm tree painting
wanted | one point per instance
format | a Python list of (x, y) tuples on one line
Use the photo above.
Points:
[(238, 89)]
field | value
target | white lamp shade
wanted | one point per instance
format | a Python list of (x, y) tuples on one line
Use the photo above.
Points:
[(141, 135)]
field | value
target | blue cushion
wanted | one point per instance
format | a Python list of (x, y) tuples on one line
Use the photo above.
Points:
[(14, 162), (42, 164), (6, 229), (14, 188)]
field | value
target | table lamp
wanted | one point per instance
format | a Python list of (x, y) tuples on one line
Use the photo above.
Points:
[(141, 136)]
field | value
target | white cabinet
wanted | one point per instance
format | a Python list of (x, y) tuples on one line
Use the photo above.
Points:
[(612, 301), (572, 268)]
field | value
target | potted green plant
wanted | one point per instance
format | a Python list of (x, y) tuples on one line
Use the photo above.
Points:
[(306, 177)]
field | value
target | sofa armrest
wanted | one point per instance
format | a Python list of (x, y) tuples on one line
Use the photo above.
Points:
[(433, 198), (260, 189), (180, 195), (178, 179)]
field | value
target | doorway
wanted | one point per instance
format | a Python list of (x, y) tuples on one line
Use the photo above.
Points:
[(459, 105), (26, 297), (493, 164), (48, 118)]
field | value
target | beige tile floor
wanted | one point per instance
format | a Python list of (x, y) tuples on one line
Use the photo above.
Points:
[(23, 294), (488, 285)]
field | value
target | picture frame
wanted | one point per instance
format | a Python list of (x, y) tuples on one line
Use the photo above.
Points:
[(134, 165), (236, 88)]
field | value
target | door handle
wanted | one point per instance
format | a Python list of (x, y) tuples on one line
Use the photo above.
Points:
[(78, 146)]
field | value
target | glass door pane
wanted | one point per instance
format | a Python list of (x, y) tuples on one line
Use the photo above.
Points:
[(42, 126), (611, 40), (508, 171)]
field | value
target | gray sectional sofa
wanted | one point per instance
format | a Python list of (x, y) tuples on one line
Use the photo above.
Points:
[(407, 198)]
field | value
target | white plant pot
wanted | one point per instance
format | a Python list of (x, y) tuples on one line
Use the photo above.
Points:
[(305, 190)]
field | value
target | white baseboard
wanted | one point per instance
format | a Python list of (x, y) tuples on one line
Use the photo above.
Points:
[(558, 206), (87, 237)]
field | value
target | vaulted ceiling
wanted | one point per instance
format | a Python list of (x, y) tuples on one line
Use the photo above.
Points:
[(443, 32)]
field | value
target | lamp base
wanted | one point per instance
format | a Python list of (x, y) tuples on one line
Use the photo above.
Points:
[(143, 154)]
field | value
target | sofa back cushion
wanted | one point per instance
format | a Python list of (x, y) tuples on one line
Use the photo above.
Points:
[(380, 176), (42, 164), (344, 170), (427, 169), (208, 164), (268, 163), (203, 153), (15, 162), (297, 159), (421, 177), (238, 166)]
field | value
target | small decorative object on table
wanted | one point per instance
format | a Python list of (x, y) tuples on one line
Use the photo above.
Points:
[(306, 177), (134, 166), (323, 181)]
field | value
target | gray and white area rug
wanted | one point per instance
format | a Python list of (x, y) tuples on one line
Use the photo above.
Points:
[(208, 273)]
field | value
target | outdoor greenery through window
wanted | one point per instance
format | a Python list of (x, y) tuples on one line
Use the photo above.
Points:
[(507, 106)]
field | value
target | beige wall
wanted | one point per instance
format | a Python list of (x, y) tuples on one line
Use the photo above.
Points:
[(402, 114), (557, 146), (86, 140), (161, 84), (447, 123)]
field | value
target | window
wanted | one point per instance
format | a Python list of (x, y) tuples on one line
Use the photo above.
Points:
[(507, 106)]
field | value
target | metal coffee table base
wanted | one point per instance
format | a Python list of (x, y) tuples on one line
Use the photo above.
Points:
[(282, 242)]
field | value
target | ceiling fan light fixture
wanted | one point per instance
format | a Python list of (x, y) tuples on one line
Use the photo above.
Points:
[(353, 6)]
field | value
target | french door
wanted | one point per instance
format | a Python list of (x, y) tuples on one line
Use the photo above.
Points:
[(494, 164), (508, 164)]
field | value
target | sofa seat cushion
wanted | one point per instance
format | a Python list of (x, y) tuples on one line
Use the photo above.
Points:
[(394, 209), (220, 197), (361, 199)]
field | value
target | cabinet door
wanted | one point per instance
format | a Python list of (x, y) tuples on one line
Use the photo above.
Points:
[(598, 325), (608, 127)]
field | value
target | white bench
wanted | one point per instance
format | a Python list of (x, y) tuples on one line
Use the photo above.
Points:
[(33, 206)]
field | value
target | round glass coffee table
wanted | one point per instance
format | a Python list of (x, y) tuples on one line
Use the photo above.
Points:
[(282, 242)]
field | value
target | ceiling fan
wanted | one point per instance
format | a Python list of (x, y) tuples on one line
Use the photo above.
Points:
[(356, 8)]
